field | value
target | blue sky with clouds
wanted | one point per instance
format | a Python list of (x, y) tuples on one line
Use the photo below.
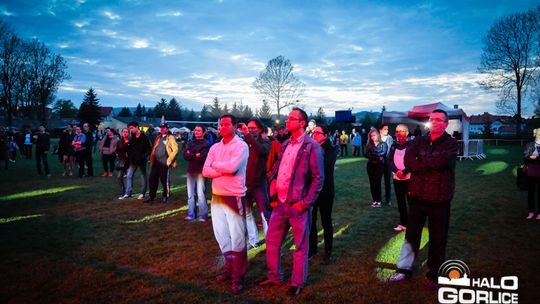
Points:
[(359, 54)]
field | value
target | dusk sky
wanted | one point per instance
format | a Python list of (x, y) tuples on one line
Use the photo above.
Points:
[(359, 54)]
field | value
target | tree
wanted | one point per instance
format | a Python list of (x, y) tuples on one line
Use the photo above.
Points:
[(264, 112), (510, 59), (321, 117), (174, 110), (205, 114), (246, 112), (278, 83), (64, 108), (190, 116), (89, 109), (236, 110), (139, 111), (161, 108), (11, 69), (215, 109), (125, 112), (47, 70)]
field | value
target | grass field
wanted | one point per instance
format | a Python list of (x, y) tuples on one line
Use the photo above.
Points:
[(69, 240)]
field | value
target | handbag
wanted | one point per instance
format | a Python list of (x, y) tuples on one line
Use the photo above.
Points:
[(521, 177)]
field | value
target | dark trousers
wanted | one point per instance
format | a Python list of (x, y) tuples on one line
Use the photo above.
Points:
[(80, 157), (532, 183), (89, 162), (121, 176), (356, 150), (161, 172), (325, 206), (400, 187), (387, 182), (41, 156), (27, 151), (375, 173), (108, 162), (438, 215), (344, 149)]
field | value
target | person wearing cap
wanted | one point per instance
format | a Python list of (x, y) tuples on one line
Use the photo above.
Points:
[(162, 157)]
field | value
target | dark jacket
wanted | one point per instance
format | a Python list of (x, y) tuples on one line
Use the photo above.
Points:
[(308, 177), (43, 142), (375, 152), (139, 149), (527, 152), (64, 146), (397, 146), (432, 166), (196, 163), (330, 156), (258, 155), (89, 140)]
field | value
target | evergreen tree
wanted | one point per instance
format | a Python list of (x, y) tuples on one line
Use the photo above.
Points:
[(247, 112), (205, 114), (264, 113), (144, 113), (64, 108), (139, 111), (174, 111), (125, 112), (215, 109), (161, 108), (89, 109), (236, 110)]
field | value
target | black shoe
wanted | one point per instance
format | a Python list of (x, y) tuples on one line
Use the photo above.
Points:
[(223, 277), (148, 200), (294, 291), (237, 287), (267, 282), (165, 200)]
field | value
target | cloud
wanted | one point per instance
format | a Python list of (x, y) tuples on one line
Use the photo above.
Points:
[(139, 44), (81, 23), (170, 14), (210, 38), (111, 15), (247, 60)]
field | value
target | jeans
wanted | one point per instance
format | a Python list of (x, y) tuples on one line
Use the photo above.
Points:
[(131, 170), (121, 177), (283, 217), (196, 184), (259, 194)]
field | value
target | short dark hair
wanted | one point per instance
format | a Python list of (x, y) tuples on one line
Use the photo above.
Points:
[(200, 126), (259, 123), (441, 111), (133, 124), (302, 112), (324, 128), (381, 126), (232, 117)]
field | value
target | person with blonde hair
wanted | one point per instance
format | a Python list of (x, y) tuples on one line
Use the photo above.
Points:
[(376, 155), (401, 176)]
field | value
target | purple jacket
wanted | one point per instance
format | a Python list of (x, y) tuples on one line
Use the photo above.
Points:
[(308, 177)]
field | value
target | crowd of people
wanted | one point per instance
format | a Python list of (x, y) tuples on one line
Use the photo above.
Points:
[(289, 174)]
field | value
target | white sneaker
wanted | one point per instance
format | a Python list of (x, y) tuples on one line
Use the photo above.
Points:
[(140, 197), (124, 197), (538, 217), (397, 277), (400, 228), (530, 216), (376, 205)]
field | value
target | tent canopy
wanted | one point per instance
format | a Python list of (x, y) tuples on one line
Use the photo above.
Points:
[(423, 111)]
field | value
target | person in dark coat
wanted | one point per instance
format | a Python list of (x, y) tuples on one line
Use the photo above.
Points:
[(65, 150), (43, 145), (431, 159), (531, 158), (325, 201)]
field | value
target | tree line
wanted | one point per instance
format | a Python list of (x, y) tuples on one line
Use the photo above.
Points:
[(30, 74)]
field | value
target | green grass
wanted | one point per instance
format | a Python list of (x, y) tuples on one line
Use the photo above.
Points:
[(68, 240)]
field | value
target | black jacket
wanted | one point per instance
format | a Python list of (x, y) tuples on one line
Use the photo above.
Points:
[(196, 163), (432, 166), (43, 142), (259, 148), (139, 149), (330, 156), (374, 153)]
